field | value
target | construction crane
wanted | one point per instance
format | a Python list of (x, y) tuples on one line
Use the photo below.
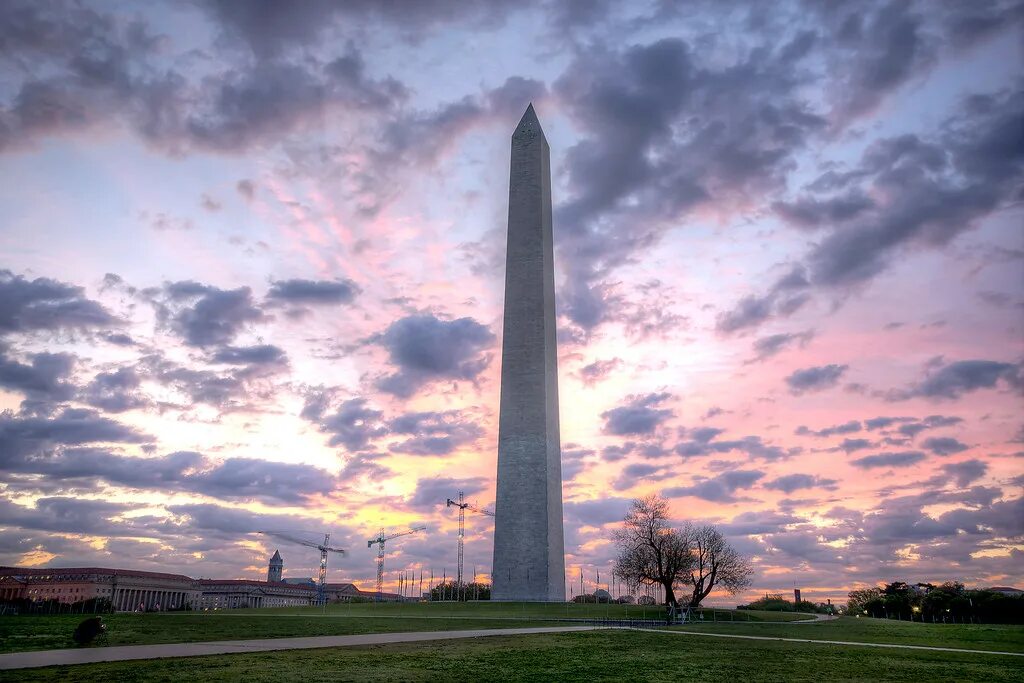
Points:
[(380, 540), (321, 586), (463, 506)]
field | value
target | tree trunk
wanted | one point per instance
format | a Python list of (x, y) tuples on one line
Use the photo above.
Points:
[(670, 596), (697, 597)]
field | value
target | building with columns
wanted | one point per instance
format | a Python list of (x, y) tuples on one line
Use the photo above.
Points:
[(127, 589), (130, 590), (242, 593)]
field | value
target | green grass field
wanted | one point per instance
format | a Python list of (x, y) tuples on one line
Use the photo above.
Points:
[(31, 632), (521, 610), (605, 655), (1000, 637)]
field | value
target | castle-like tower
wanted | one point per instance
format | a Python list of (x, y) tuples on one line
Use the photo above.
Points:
[(529, 559), (275, 568)]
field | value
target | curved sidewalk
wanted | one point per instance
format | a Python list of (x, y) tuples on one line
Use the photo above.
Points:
[(93, 655)]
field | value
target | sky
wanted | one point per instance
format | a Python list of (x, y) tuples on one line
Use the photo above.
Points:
[(252, 267)]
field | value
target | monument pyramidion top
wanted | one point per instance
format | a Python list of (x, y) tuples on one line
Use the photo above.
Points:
[(529, 126)]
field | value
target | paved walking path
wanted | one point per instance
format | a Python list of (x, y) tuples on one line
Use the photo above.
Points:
[(830, 642), (92, 655), (816, 619)]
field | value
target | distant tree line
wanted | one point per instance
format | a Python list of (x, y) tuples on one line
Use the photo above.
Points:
[(949, 601), (775, 602), (451, 590), (602, 597)]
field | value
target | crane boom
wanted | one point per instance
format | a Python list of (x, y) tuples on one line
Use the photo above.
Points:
[(380, 540), (321, 589), (463, 506)]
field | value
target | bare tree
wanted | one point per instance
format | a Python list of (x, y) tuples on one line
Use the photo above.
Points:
[(716, 564), (653, 553), (650, 551)]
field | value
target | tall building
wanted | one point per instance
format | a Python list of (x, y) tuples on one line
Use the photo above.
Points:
[(529, 557), (275, 568)]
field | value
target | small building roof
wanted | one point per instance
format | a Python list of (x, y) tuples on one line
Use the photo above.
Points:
[(253, 582)]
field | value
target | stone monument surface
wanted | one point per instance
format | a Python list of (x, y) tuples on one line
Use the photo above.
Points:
[(529, 555)]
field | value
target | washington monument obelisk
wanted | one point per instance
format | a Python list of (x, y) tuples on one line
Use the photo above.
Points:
[(529, 555)]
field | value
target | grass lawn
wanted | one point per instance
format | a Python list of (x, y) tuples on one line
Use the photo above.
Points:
[(605, 655), (32, 632), (1002, 637), (522, 610), (18, 634)]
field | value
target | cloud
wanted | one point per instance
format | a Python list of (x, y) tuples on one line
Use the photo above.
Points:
[(637, 473), (116, 391), (425, 348), (117, 338), (812, 213), (769, 346), (927, 190), (204, 315), (433, 433), (815, 379), (364, 466), (851, 445), (21, 436), (100, 69), (47, 305), (966, 472), (433, 492), (794, 482), (902, 459), (617, 452), (269, 28), (44, 379), (352, 425), (67, 515), (599, 370), (719, 489), (598, 512), (260, 479), (575, 460), (262, 354), (901, 521), (846, 428), (785, 297), (220, 521), (231, 478), (944, 445), (886, 47), (639, 416), (702, 442), (235, 388), (664, 134), (910, 427), (758, 522), (953, 380), (313, 292)]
